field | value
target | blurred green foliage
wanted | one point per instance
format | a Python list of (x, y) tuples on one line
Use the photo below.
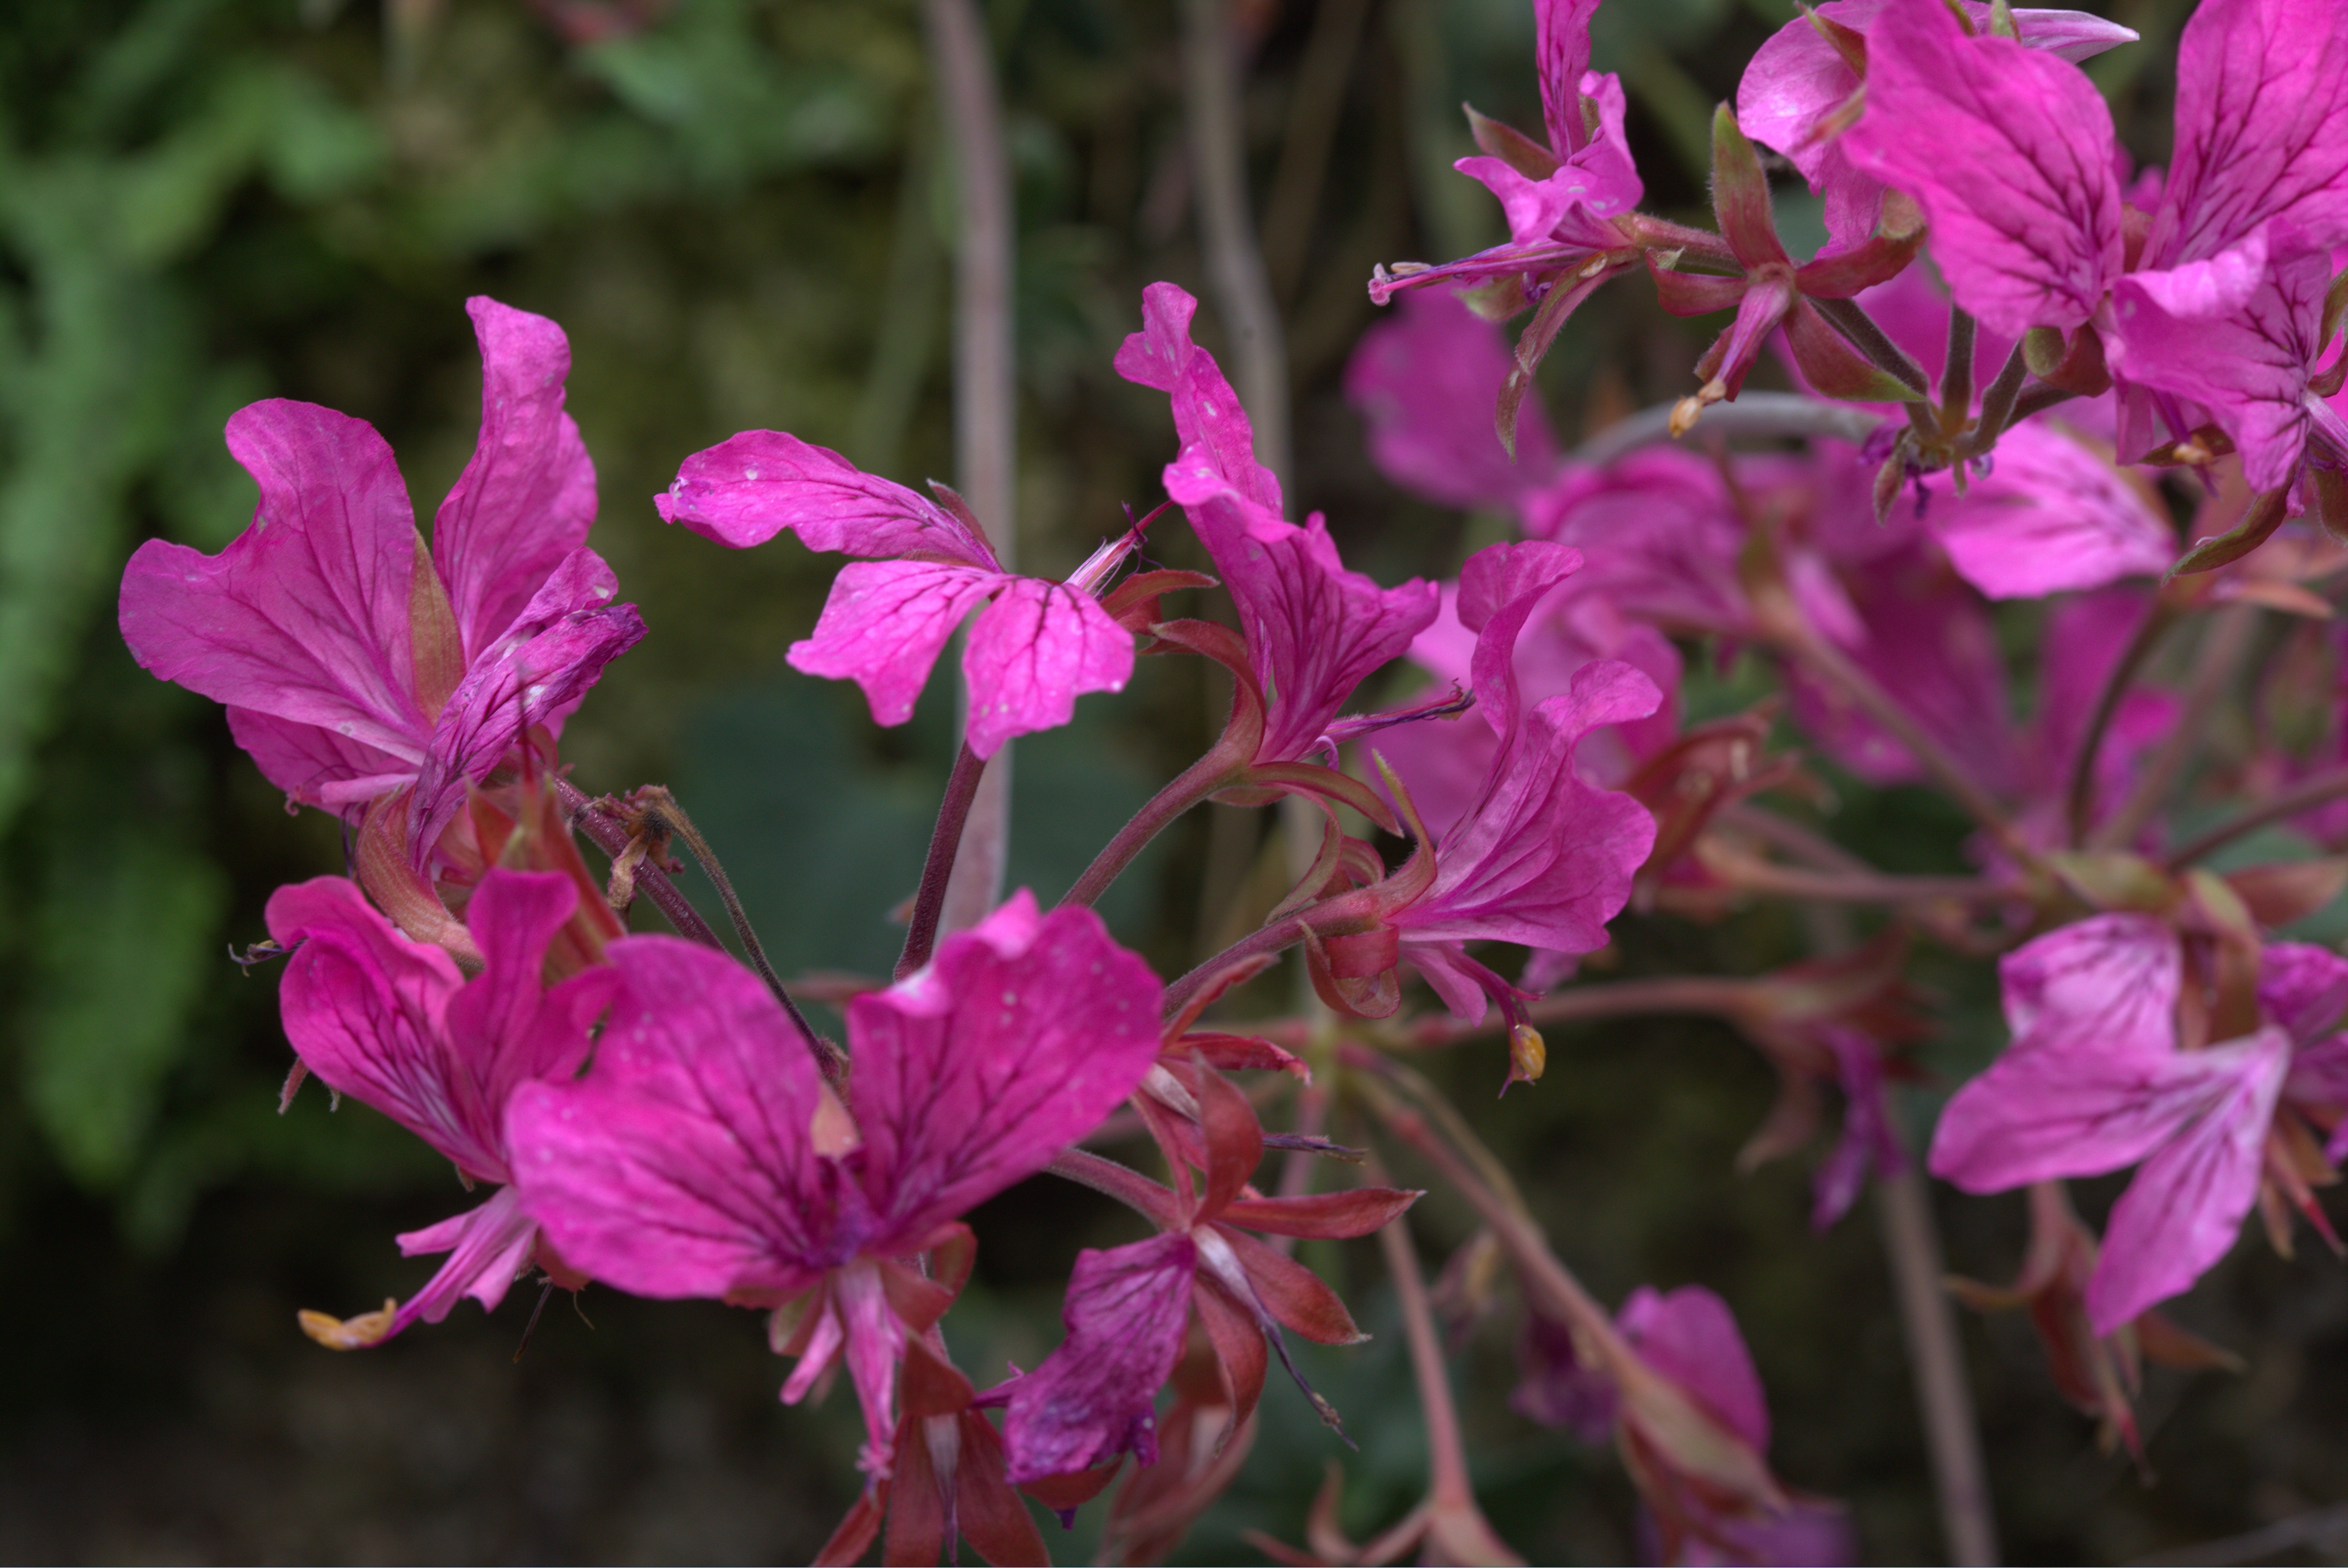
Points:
[(741, 213)]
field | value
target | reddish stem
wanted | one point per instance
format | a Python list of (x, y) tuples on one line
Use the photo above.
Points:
[(937, 869)]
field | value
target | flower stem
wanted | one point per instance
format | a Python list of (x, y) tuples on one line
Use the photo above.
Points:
[(2314, 790), (1273, 938), (1712, 995), (1855, 324), (609, 834), (1957, 374), (2079, 794), (1215, 770), (1827, 660), (1937, 1358), (1753, 414), (937, 869), (2222, 651), (1997, 403)]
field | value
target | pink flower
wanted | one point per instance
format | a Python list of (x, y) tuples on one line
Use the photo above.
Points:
[(2095, 1080), (1314, 629), (390, 1022), (1424, 385), (1129, 1309), (1539, 857), (1035, 649), (1800, 90), (355, 664), (704, 1156)]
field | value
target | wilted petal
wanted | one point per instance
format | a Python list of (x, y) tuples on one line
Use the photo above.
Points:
[(682, 1164), (366, 1009), (1031, 652), (1314, 630), (2026, 224), (552, 653), (1218, 441), (747, 490), (2261, 128), (1690, 1336), (885, 624), (525, 501), (2185, 1206), (1090, 1400), (2053, 516), (1424, 382), (1542, 858), (306, 615), (1015, 1040)]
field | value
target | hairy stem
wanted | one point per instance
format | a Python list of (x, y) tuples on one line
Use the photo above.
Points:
[(1277, 937), (1216, 769), (1759, 414), (938, 867), (1935, 1356), (985, 388), (2317, 788), (2037, 400), (2079, 794), (2223, 647)]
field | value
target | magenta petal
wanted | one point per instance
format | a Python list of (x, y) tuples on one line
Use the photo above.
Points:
[(551, 653), (1562, 48), (1659, 534), (1690, 1336), (2249, 369), (1314, 630), (1090, 1400), (682, 1164), (306, 615), (2303, 988), (2026, 224), (1542, 858), (507, 1027), (526, 499), (1031, 652), (1424, 382), (316, 766), (2261, 128), (1015, 1040), (2110, 981), (364, 1008), (1499, 586), (747, 490), (2051, 517), (1217, 438), (886, 622), (1573, 204), (2185, 1206), (488, 1250)]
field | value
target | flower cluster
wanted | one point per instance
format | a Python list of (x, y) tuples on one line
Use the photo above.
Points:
[(659, 1118)]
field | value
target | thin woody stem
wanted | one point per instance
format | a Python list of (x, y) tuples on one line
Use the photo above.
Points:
[(937, 869), (1824, 659), (2331, 784), (670, 818), (1903, 1205), (1215, 770), (2222, 651), (609, 834), (2080, 793), (1756, 414)]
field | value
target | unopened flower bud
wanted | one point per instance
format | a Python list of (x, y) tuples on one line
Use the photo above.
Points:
[(1528, 1054)]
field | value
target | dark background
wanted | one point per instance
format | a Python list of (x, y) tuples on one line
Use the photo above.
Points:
[(740, 214)]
